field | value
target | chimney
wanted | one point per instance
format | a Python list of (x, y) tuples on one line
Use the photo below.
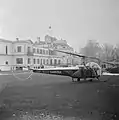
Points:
[(17, 39), (38, 39)]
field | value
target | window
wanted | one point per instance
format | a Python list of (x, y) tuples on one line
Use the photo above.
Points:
[(47, 52), (40, 51), (50, 52), (103, 66), (34, 61), (50, 61), (43, 61), (29, 61), (43, 51), (34, 50), (59, 61), (37, 50), (6, 50), (19, 60), (55, 61), (67, 61), (19, 49), (38, 61), (29, 49), (47, 62)]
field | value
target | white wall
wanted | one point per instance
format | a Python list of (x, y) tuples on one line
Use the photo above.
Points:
[(25, 58), (3, 48), (3, 59), (23, 48)]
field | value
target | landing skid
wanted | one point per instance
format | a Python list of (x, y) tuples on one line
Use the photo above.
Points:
[(90, 79)]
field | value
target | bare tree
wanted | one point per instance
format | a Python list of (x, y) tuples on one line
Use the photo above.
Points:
[(105, 52), (108, 53), (117, 52), (92, 48)]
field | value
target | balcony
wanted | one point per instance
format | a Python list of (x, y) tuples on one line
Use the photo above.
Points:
[(29, 53)]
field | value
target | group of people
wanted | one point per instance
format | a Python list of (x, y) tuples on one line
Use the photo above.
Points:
[(88, 71)]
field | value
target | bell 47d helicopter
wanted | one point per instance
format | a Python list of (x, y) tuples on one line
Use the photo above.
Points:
[(90, 70)]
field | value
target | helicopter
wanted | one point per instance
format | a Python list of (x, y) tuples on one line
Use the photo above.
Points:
[(91, 70)]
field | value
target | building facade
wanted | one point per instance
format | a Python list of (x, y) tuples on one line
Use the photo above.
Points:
[(24, 53), (6, 52)]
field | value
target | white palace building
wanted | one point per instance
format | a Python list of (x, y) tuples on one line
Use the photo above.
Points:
[(26, 53)]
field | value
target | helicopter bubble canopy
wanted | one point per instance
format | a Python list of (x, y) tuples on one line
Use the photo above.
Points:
[(94, 65)]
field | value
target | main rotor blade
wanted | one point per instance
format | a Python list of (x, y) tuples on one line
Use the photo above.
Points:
[(111, 63), (83, 56), (70, 53), (76, 54)]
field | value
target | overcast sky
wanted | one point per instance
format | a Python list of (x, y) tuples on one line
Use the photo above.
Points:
[(73, 20)]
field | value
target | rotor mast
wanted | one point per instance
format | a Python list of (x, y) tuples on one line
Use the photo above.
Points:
[(83, 61)]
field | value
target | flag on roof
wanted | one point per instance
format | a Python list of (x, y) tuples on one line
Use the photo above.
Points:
[(49, 27)]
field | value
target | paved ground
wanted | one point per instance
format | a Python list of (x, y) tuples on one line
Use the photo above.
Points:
[(58, 95)]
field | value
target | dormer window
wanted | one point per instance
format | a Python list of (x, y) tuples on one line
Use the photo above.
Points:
[(19, 49)]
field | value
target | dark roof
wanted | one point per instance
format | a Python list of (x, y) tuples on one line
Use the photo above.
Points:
[(23, 41), (40, 43), (3, 40), (20, 41)]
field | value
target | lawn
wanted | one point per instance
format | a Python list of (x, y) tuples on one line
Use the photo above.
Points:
[(58, 95)]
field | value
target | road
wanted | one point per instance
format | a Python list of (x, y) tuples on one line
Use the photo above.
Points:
[(58, 95)]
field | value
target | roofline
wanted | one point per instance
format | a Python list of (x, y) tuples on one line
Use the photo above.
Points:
[(4, 40)]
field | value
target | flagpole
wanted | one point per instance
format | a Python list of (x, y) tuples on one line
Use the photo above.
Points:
[(50, 31)]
